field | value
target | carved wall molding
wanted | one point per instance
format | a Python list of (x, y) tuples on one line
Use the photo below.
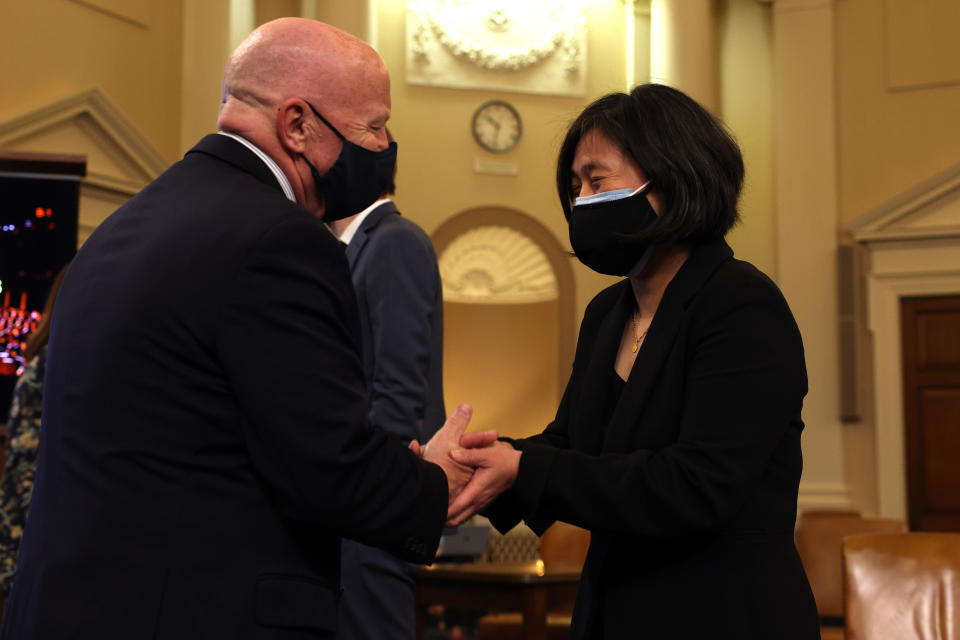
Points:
[(913, 243), (920, 48), (823, 495), (562, 25), (120, 160), (531, 46), (930, 210), (496, 265)]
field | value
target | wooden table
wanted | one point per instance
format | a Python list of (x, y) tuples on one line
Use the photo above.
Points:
[(531, 588)]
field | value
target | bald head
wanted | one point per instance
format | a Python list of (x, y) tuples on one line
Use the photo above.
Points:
[(298, 57), (290, 63)]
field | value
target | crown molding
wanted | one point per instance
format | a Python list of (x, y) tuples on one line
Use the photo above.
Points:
[(907, 216)]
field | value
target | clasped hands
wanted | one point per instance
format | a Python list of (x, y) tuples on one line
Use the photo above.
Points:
[(477, 465)]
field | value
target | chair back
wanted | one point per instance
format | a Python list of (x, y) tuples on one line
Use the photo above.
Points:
[(903, 586), (820, 540), (564, 543)]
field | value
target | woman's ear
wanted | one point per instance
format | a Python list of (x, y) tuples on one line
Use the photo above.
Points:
[(291, 125)]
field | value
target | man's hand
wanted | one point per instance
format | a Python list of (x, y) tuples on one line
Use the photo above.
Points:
[(446, 439), (496, 471)]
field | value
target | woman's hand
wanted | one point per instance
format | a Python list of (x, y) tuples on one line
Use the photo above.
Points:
[(496, 467)]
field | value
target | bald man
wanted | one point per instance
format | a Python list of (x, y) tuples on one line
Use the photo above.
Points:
[(205, 443)]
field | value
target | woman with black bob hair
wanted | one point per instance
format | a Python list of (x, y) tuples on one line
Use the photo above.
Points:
[(677, 441)]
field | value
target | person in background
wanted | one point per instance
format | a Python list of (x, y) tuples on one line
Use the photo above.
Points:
[(677, 441), (206, 442), (22, 440), (394, 271)]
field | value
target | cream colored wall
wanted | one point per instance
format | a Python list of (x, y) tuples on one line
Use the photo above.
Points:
[(267, 10), (436, 149), (502, 359), (52, 49), (893, 137), (206, 45), (898, 96), (436, 177), (882, 138), (746, 107)]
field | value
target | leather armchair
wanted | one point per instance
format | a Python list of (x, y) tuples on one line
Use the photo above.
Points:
[(902, 586)]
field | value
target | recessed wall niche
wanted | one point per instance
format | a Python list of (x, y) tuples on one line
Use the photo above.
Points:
[(508, 324)]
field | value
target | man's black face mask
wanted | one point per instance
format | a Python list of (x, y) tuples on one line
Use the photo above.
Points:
[(356, 179)]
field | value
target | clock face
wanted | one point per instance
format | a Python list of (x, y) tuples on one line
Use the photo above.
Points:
[(496, 126)]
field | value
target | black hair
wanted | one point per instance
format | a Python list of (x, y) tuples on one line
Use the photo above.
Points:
[(688, 156)]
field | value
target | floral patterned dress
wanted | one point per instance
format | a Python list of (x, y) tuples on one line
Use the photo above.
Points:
[(16, 483)]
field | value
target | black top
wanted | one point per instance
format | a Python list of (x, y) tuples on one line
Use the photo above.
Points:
[(614, 391)]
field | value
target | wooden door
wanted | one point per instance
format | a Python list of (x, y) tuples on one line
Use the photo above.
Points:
[(931, 375)]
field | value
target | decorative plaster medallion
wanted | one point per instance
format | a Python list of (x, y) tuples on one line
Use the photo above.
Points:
[(532, 46), (496, 265)]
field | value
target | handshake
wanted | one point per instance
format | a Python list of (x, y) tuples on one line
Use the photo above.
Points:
[(478, 466)]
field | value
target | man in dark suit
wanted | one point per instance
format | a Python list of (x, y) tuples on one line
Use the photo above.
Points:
[(395, 275), (205, 441)]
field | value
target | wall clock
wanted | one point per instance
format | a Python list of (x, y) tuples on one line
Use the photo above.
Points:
[(496, 126)]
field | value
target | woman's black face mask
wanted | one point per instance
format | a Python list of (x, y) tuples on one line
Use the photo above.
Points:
[(601, 226), (356, 179)]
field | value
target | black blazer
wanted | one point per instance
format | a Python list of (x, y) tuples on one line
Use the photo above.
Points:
[(205, 441), (690, 490), (395, 275)]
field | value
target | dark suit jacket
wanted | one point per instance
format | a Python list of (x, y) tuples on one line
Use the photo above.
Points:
[(205, 441), (395, 275), (400, 297), (690, 490)]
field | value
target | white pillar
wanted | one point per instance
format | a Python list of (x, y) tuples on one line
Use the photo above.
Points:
[(807, 228), (683, 48), (206, 45), (242, 21)]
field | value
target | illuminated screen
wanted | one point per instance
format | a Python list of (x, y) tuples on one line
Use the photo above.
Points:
[(38, 235)]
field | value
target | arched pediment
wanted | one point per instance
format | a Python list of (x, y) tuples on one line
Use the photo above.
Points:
[(929, 210)]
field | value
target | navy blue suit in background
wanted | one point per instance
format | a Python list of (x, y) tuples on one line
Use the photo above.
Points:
[(395, 275), (205, 441)]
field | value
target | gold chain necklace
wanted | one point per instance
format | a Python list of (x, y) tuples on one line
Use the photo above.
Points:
[(637, 334)]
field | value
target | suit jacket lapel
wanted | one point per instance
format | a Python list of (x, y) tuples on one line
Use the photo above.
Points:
[(703, 261), (361, 236), (232, 152)]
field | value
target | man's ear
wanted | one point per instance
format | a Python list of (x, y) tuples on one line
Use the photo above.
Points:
[(291, 125)]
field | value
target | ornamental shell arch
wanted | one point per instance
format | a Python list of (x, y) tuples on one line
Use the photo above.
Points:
[(494, 264), (498, 255)]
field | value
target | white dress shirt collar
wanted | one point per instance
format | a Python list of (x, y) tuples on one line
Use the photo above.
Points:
[(273, 166), (351, 229)]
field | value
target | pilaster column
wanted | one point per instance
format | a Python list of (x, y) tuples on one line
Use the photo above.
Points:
[(683, 48), (807, 228), (207, 34)]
